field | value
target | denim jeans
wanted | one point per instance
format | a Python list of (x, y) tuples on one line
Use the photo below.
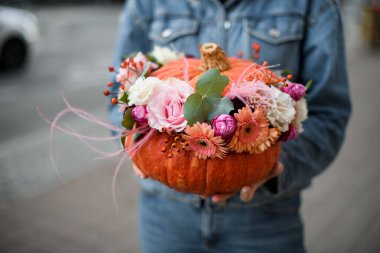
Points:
[(182, 225)]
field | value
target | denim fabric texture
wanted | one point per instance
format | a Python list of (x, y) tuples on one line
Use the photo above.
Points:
[(303, 36)]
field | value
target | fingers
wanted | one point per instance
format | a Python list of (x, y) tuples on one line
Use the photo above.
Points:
[(247, 192), (138, 172), (220, 198), (277, 169)]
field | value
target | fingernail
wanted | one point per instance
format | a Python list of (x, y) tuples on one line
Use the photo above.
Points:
[(245, 194), (215, 199), (218, 200), (280, 167)]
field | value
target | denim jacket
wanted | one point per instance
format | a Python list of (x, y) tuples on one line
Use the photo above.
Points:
[(304, 36)]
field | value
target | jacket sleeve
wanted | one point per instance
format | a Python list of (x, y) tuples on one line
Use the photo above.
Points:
[(328, 103), (132, 37)]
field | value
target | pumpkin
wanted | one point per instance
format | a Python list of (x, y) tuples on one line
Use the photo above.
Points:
[(185, 172), (213, 57)]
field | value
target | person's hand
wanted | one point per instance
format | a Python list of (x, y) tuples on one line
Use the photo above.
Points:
[(138, 172), (247, 192)]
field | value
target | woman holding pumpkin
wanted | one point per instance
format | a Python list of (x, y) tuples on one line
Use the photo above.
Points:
[(304, 36)]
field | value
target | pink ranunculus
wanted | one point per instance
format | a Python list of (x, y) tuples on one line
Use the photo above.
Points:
[(130, 72), (139, 114), (295, 90), (165, 106), (224, 125), (291, 134)]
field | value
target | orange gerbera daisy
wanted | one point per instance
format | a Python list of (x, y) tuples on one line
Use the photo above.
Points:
[(203, 142), (271, 139), (252, 131)]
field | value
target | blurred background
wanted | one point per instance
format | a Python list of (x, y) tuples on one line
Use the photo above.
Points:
[(65, 47)]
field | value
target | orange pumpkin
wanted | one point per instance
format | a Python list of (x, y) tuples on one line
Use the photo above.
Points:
[(233, 68), (184, 172)]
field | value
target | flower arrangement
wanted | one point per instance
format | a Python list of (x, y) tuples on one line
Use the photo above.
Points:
[(203, 110)]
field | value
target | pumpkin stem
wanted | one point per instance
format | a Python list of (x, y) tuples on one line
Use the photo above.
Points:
[(212, 56)]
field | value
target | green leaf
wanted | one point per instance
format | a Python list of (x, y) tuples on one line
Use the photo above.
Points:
[(308, 84), (131, 55), (196, 108), (128, 121), (220, 106), (146, 68), (153, 59), (122, 139), (124, 98), (286, 72), (211, 83)]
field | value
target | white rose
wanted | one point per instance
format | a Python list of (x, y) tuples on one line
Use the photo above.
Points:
[(301, 114), (142, 89), (165, 55), (281, 111)]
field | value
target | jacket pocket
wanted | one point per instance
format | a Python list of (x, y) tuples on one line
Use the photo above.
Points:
[(276, 29), (281, 34), (175, 29)]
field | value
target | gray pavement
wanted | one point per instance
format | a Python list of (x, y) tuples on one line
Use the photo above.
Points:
[(38, 213)]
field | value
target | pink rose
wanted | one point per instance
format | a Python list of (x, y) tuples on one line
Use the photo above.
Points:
[(165, 105)]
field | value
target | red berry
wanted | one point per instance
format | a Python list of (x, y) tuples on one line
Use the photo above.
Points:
[(111, 69), (109, 84), (289, 77), (106, 92), (256, 46), (114, 101)]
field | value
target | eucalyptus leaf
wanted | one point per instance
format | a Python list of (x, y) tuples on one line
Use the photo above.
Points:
[(128, 121), (124, 98), (221, 106), (196, 108), (211, 83)]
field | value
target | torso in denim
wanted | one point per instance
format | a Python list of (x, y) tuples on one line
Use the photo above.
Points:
[(289, 32)]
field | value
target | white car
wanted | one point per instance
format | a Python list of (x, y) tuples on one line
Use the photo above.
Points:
[(18, 31)]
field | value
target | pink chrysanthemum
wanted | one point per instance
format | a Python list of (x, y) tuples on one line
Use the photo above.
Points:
[(203, 142), (253, 134)]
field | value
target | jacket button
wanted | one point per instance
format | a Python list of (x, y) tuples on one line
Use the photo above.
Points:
[(227, 25), (275, 33), (166, 33)]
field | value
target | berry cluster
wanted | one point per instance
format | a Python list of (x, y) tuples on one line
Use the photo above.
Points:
[(173, 142)]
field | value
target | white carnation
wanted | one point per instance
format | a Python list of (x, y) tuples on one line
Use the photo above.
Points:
[(165, 55), (301, 114), (142, 89), (281, 110)]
